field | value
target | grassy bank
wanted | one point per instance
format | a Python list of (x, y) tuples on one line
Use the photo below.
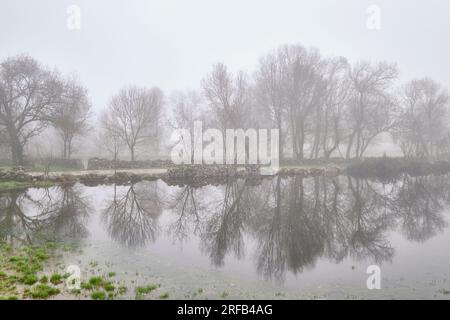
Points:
[(389, 168), (24, 275), (18, 185)]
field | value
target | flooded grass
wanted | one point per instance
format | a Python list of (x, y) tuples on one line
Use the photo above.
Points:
[(23, 275), (42, 291), (19, 269)]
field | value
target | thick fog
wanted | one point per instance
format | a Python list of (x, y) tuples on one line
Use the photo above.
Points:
[(173, 45)]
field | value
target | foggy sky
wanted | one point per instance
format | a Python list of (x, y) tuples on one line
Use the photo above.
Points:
[(173, 44)]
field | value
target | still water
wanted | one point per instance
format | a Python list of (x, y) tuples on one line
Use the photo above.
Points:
[(288, 237)]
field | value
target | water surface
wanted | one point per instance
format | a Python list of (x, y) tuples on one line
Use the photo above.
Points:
[(287, 237)]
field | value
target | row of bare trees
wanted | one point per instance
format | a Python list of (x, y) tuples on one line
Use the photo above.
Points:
[(322, 106), (325, 107), (34, 98)]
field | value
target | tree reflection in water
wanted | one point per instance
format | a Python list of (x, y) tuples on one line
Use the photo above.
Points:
[(224, 229), (36, 214), (291, 221), (131, 217), (188, 206), (419, 205), (295, 220)]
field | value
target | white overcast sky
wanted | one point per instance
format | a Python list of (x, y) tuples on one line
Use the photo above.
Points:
[(173, 43)]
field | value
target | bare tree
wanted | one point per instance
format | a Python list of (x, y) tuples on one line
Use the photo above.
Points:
[(187, 108), (70, 119), (336, 98), (371, 106), (227, 95), (135, 113), (299, 89), (270, 92), (28, 94), (304, 85), (43, 153), (424, 124), (109, 137)]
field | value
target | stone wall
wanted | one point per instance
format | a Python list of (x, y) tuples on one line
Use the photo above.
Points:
[(59, 163), (34, 163), (16, 174), (105, 164)]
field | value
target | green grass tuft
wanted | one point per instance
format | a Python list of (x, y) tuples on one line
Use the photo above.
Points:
[(56, 278), (164, 295), (98, 295), (30, 279), (96, 281), (109, 287), (43, 291), (146, 289), (86, 286)]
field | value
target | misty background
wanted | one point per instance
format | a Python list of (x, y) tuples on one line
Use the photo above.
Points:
[(174, 44)]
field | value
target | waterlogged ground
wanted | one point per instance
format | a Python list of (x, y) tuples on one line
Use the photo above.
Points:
[(280, 238)]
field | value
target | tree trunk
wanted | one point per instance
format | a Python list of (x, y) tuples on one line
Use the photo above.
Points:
[(280, 142), (294, 137), (301, 143), (16, 147), (64, 149), (350, 145), (69, 148), (17, 153)]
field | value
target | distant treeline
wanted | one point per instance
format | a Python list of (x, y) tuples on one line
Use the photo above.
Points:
[(322, 106)]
